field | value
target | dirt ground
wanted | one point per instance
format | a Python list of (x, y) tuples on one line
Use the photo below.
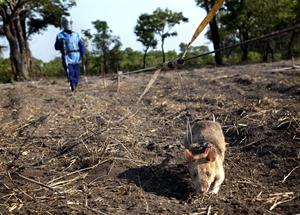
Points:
[(65, 153)]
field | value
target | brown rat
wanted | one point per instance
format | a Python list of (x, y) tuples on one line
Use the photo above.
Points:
[(205, 151)]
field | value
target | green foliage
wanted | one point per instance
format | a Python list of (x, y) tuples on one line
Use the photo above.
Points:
[(245, 19), (107, 47), (165, 20), (160, 23), (241, 20), (154, 57), (87, 37), (196, 51), (1, 50), (53, 68), (5, 71), (131, 60), (163, 23), (238, 21), (115, 57), (254, 57), (102, 38), (46, 12), (36, 68), (144, 31), (22, 19), (214, 28)]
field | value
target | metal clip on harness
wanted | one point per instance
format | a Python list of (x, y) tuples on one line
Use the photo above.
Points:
[(172, 64)]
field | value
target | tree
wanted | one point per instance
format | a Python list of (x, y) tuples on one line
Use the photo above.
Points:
[(1, 46), (279, 14), (294, 36), (144, 31), (20, 19), (104, 41), (131, 60), (195, 51), (115, 56), (1, 50), (237, 22), (163, 22), (87, 37), (214, 29), (246, 19)]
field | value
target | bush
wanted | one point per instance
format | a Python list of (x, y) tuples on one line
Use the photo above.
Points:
[(5, 71), (53, 68), (254, 57)]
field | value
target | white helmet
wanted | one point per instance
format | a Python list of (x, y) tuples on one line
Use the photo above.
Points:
[(66, 23)]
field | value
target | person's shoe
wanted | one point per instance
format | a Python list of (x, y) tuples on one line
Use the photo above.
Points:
[(73, 87)]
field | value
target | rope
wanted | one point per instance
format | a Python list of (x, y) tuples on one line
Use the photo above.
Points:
[(171, 64), (187, 114), (181, 60), (263, 37), (204, 23), (132, 113)]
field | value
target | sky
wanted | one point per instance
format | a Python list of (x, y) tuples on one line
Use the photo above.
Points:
[(121, 17)]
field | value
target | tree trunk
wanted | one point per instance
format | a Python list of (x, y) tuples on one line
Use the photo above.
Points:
[(216, 40), (144, 60), (100, 64), (271, 51), (162, 49), (243, 36), (265, 54), (214, 34), (145, 57), (245, 51), (20, 54), (290, 46)]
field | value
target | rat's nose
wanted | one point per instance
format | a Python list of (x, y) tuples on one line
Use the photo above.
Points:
[(203, 189)]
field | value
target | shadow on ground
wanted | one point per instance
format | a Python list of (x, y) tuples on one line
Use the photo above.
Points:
[(167, 181)]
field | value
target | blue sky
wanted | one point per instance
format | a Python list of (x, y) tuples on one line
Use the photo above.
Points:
[(121, 17)]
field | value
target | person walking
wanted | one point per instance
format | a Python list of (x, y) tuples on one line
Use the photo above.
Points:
[(72, 51)]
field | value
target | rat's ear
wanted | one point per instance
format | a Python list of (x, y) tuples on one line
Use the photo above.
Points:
[(211, 154), (188, 155)]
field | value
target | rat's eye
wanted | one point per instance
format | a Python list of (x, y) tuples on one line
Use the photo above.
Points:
[(208, 174)]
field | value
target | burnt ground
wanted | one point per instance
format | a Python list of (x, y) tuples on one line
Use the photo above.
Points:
[(64, 153)]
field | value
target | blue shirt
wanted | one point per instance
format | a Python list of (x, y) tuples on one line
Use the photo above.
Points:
[(71, 46)]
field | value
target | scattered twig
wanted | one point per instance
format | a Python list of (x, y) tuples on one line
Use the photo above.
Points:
[(208, 210), (286, 177), (66, 182), (257, 197), (145, 200), (86, 207), (277, 199), (78, 171), (252, 143), (278, 203), (36, 182)]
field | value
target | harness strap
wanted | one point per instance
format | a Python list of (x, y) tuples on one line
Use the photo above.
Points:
[(70, 51)]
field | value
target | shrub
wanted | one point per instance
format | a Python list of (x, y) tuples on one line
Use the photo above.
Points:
[(5, 71)]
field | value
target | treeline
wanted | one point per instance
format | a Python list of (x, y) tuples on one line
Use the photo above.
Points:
[(236, 22)]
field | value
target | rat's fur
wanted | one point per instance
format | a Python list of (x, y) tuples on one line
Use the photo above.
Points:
[(206, 168)]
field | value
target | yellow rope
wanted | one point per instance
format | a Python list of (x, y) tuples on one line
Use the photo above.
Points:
[(204, 23)]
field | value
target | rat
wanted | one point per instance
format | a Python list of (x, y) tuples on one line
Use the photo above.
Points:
[(204, 151)]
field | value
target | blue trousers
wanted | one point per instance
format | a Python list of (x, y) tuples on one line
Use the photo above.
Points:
[(73, 73)]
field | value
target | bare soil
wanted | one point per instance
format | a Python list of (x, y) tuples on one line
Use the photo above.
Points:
[(75, 153)]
